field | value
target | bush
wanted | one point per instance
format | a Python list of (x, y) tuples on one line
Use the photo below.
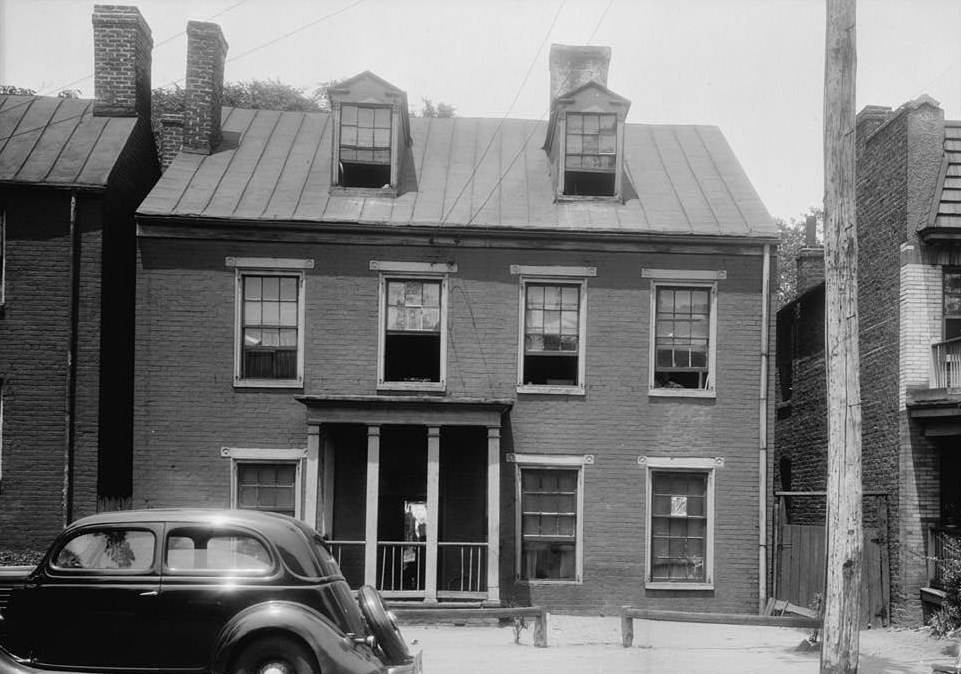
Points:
[(948, 619), (20, 557)]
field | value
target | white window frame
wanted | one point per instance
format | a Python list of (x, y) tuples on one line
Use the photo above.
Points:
[(411, 271), (702, 466), (245, 455), (556, 462), (249, 266), (684, 278), (557, 275), (395, 131)]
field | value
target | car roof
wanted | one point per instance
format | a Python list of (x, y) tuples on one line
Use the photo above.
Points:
[(208, 516)]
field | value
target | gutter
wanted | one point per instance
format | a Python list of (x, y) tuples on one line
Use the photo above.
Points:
[(70, 403), (763, 429)]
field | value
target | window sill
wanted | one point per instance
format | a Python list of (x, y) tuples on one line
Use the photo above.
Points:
[(682, 393), (268, 383), (344, 191), (551, 390), (574, 198), (545, 581), (667, 585), (412, 386)]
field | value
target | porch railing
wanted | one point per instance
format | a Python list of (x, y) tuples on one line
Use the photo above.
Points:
[(350, 558), (944, 547), (401, 566), (463, 568), (946, 364)]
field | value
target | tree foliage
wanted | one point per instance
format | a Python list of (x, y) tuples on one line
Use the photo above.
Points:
[(791, 241), (13, 90), (443, 110)]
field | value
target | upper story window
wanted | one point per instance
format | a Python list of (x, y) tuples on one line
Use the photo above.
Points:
[(952, 304), (365, 146), (412, 339), (553, 323), (269, 328), (590, 158), (371, 135), (683, 331), (585, 141)]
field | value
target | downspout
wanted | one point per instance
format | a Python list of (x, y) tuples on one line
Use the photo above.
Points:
[(762, 431), (71, 375)]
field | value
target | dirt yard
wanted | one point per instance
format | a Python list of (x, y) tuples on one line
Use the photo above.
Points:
[(593, 645)]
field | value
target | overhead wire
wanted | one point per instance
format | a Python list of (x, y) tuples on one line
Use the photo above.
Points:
[(258, 47), (500, 124), (534, 128)]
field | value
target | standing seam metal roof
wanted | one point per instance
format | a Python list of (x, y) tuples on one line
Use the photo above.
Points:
[(46, 140), (275, 166)]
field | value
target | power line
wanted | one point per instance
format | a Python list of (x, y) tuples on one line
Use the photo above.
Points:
[(500, 124), (156, 46)]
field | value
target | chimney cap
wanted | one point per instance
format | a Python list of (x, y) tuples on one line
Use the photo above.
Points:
[(122, 14)]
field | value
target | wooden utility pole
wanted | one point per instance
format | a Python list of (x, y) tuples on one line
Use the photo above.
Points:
[(845, 540)]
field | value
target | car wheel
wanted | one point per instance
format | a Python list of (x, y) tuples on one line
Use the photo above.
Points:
[(275, 655), (383, 625)]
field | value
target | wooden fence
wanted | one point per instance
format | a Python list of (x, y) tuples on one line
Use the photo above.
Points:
[(800, 566)]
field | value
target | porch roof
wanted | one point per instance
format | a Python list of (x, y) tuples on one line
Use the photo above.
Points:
[(421, 410)]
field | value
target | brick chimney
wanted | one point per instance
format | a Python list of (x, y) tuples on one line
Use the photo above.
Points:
[(575, 65), (171, 137), (122, 46), (869, 120), (206, 52), (810, 259)]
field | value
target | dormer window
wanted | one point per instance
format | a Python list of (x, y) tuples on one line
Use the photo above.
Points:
[(370, 144), (590, 155), (365, 146)]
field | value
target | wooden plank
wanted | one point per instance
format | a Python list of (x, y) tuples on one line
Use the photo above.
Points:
[(719, 618)]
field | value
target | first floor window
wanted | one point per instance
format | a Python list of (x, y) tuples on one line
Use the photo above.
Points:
[(683, 350), (267, 486), (549, 512), (680, 545)]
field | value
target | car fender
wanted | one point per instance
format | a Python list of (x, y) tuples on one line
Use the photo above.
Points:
[(333, 650)]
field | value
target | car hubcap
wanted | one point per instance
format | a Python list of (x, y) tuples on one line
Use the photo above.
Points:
[(275, 667)]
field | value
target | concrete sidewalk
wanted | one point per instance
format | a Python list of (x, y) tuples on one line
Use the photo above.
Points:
[(584, 645)]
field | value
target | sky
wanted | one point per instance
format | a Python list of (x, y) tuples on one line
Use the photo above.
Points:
[(754, 68)]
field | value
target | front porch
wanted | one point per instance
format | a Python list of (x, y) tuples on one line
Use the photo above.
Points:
[(409, 493)]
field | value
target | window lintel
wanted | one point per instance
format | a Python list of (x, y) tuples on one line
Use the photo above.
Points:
[(391, 266), (566, 460), (250, 453), (680, 463), (268, 263), (552, 271), (684, 274)]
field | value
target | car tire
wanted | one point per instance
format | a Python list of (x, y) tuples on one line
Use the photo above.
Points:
[(383, 625), (275, 655)]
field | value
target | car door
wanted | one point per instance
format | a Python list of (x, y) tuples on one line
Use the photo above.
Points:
[(210, 573), (93, 605)]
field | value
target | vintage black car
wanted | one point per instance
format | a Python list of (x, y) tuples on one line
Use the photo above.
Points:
[(219, 591)]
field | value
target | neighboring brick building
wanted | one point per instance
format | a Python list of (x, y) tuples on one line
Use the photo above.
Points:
[(909, 302), (72, 172), (434, 340)]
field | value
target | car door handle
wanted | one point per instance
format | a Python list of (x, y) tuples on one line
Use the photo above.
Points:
[(149, 593)]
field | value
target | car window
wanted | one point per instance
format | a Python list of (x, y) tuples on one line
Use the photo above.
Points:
[(130, 549), (196, 549)]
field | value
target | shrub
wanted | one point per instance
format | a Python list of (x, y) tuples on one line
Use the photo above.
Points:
[(20, 557), (948, 618)]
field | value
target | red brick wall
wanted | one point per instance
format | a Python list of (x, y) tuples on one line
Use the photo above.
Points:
[(186, 406)]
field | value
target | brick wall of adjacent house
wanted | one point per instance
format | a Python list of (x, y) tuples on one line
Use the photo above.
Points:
[(187, 408), (34, 344)]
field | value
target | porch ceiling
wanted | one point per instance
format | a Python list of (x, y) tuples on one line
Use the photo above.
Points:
[(938, 410), (405, 410)]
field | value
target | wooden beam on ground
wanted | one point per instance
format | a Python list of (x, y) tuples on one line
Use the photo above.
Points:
[(446, 615), (845, 538), (629, 614)]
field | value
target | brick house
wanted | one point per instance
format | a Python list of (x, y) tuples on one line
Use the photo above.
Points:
[(72, 173), (491, 360), (909, 301)]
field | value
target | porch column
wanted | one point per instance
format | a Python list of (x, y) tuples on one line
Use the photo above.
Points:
[(373, 494), (312, 477), (493, 514), (433, 503)]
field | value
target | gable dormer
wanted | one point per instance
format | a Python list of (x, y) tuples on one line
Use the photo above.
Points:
[(370, 136), (585, 136)]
